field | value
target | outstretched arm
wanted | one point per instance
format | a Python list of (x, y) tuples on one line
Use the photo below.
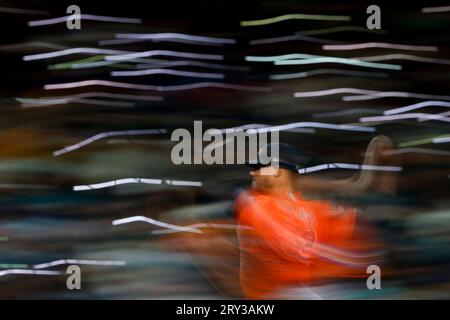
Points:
[(363, 180)]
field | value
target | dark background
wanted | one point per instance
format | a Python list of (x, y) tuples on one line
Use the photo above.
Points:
[(42, 219)]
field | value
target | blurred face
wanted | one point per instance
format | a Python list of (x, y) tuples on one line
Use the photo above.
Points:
[(265, 178), (273, 180)]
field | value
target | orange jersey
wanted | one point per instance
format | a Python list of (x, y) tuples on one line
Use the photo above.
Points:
[(286, 241)]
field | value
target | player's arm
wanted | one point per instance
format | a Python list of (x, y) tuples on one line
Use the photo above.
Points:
[(361, 181)]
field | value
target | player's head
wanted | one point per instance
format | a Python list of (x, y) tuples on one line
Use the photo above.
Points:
[(272, 179), (282, 169)]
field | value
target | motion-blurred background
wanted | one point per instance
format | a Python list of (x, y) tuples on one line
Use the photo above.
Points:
[(52, 101)]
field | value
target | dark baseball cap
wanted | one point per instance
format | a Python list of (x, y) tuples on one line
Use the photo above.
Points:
[(289, 157)]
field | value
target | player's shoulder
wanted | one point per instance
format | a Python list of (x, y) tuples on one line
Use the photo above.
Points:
[(314, 203), (249, 197), (328, 207)]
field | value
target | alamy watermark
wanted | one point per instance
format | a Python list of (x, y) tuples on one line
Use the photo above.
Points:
[(74, 280), (73, 22), (229, 146), (373, 22), (374, 280)]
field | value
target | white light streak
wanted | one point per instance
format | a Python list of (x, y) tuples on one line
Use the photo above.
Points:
[(183, 183), (442, 114), (168, 72), (28, 271), (192, 63), (301, 58), (327, 71), (441, 140), (66, 52), (169, 36), (321, 125), (397, 94), (114, 183), (350, 166), (367, 45), (416, 106), (169, 53), (92, 95), (92, 17), (320, 93), (49, 102), (156, 223), (435, 9), (205, 226), (82, 262), (259, 125), (405, 116), (125, 85), (353, 62), (417, 150), (400, 56), (105, 135), (173, 40), (82, 65)]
